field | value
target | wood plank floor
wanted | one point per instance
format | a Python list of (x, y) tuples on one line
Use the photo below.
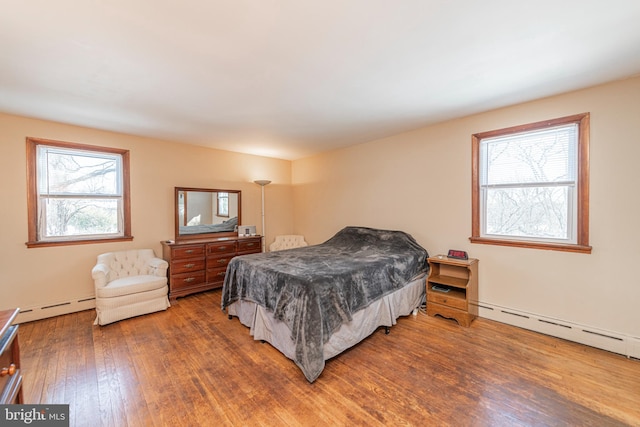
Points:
[(191, 366)]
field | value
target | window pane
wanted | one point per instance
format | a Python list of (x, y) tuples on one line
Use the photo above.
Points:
[(80, 217), (223, 204), (73, 172), (534, 212), (533, 157)]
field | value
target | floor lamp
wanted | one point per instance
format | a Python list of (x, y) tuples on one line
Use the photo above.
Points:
[(262, 183)]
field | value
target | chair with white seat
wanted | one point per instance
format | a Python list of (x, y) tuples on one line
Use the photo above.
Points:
[(288, 241), (129, 283)]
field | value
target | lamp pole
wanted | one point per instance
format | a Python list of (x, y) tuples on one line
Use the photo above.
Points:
[(262, 183)]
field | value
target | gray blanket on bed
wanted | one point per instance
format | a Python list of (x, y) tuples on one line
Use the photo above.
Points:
[(228, 225), (315, 289)]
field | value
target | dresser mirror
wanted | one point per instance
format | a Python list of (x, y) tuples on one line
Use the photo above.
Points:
[(203, 213)]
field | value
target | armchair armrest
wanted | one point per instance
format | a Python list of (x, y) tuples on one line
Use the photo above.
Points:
[(158, 267), (100, 274)]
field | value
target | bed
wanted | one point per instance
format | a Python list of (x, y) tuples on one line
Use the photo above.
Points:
[(314, 302)]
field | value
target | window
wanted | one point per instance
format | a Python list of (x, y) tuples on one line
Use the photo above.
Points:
[(531, 185), (223, 204), (76, 193)]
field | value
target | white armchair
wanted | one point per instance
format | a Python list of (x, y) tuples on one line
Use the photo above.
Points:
[(129, 283), (288, 241)]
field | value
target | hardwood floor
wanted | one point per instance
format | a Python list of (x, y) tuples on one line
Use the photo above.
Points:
[(191, 366)]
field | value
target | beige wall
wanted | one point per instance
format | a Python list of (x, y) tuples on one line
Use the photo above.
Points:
[(42, 276), (420, 182)]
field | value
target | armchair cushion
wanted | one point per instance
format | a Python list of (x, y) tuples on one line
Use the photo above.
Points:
[(131, 285)]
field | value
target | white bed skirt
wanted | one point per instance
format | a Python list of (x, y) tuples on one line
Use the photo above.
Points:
[(383, 312)]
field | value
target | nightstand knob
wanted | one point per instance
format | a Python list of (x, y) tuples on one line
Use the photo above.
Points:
[(8, 371)]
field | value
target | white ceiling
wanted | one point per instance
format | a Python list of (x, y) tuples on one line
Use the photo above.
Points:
[(290, 78)]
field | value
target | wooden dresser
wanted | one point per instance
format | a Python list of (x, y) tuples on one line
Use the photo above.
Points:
[(200, 265), (10, 374)]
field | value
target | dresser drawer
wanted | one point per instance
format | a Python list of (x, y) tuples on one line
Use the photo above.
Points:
[(219, 261), (216, 275), (185, 266), (448, 300), (249, 246), (191, 251), (187, 280), (12, 393), (10, 377), (221, 248)]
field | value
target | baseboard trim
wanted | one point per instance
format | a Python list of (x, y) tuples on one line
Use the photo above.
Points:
[(59, 308), (607, 340)]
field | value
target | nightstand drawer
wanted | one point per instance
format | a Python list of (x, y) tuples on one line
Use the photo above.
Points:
[(448, 300)]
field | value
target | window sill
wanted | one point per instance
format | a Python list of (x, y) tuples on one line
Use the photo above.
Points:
[(50, 243), (533, 245)]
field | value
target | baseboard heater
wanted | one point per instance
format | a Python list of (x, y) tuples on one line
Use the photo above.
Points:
[(30, 314), (607, 340)]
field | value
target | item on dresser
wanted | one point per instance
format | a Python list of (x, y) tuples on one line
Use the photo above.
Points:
[(247, 230), (313, 302), (10, 372), (200, 265)]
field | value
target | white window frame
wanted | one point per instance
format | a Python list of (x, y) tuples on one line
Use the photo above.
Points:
[(578, 189), (38, 194)]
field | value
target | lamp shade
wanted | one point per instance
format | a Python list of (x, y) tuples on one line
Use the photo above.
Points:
[(262, 182)]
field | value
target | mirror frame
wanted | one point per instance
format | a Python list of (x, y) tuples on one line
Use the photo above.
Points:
[(187, 237)]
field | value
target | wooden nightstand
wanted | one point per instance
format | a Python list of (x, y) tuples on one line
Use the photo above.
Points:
[(10, 373), (452, 289)]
